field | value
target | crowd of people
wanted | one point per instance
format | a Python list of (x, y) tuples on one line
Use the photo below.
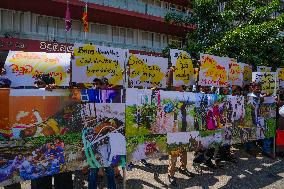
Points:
[(55, 152)]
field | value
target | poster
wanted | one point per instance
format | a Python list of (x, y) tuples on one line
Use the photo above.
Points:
[(236, 73), (23, 67), (93, 61), (5, 132), (214, 115), (214, 71), (175, 112), (263, 69), (141, 111), (266, 118), (45, 135), (247, 74), (184, 70), (185, 141), (267, 80), (280, 74), (145, 147), (147, 71), (104, 134)]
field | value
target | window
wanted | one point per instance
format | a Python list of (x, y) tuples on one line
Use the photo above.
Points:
[(7, 20), (115, 34), (122, 35), (42, 24), (75, 30), (157, 40), (104, 33), (61, 28), (25, 22), (176, 41), (144, 38), (16, 21), (129, 36)]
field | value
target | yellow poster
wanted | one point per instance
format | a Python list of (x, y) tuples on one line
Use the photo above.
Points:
[(247, 69), (92, 61), (147, 71), (214, 71), (280, 72), (184, 71)]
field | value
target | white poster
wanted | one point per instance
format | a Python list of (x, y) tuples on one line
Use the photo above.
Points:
[(147, 71), (93, 61), (23, 67), (214, 71)]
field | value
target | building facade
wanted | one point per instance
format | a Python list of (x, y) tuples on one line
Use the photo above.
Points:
[(138, 25)]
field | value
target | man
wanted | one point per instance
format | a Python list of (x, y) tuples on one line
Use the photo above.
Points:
[(183, 153)]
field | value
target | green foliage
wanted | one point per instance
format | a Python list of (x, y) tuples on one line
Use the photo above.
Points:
[(245, 30)]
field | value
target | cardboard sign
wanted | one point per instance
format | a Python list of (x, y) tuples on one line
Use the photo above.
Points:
[(214, 71), (23, 67), (93, 61), (263, 69), (268, 81), (236, 73), (147, 71), (184, 71)]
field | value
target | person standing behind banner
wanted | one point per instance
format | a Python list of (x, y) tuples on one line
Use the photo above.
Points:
[(5, 82), (183, 153), (61, 180)]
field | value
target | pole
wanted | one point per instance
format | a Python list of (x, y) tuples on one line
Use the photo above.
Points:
[(124, 178)]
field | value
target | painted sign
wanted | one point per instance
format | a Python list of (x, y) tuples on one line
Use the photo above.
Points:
[(184, 71), (23, 67), (147, 71), (236, 73), (214, 71), (92, 61), (267, 80)]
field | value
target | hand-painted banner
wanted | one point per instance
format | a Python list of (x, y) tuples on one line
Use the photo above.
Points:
[(147, 71), (280, 73), (214, 71), (184, 71), (247, 74), (263, 69), (93, 61), (43, 133), (23, 67), (236, 73), (268, 81)]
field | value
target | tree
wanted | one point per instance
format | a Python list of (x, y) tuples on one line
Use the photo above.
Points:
[(248, 30)]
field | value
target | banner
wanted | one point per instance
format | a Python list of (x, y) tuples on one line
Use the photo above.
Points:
[(247, 74), (184, 71), (23, 67), (263, 69), (44, 133), (214, 71), (267, 80), (147, 71), (236, 73), (93, 61)]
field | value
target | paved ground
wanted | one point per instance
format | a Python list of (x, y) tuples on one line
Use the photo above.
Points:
[(248, 173)]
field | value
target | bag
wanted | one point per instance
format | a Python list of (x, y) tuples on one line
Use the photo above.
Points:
[(281, 111)]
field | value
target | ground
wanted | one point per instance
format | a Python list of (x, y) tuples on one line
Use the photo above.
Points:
[(249, 172)]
